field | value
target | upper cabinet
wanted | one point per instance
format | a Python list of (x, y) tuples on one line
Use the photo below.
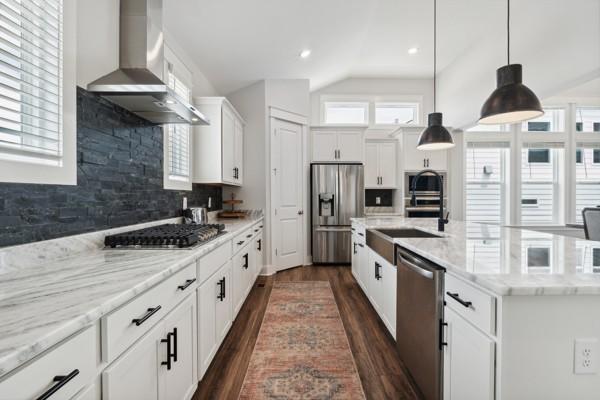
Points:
[(218, 148), (380, 165), (417, 160), (337, 144)]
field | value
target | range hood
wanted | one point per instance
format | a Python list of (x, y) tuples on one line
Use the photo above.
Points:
[(138, 85)]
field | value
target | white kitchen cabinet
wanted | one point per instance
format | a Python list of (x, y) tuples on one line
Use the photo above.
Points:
[(468, 361), (363, 266), (214, 315), (181, 380), (162, 364), (337, 145), (258, 254), (136, 374), (417, 160), (242, 277), (380, 288), (355, 257), (91, 392), (380, 165), (375, 284), (218, 148), (388, 302)]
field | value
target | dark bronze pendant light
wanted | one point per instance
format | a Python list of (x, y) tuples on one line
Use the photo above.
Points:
[(435, 136), (512, 101)]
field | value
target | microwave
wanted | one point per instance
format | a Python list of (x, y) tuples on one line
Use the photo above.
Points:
[(427, 185)]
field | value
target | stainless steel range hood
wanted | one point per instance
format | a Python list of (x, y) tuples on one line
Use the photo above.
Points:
[(138, 85)]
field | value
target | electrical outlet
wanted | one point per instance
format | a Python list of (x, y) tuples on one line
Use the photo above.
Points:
[(586, 356), (377, 200), (184, 203)]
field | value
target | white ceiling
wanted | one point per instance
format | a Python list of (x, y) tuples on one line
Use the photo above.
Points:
[(237, 42)]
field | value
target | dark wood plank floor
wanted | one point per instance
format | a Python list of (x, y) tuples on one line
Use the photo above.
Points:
[(382, 374)]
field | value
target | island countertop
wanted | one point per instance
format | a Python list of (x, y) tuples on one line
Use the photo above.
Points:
[(506, 261), (41, 305)]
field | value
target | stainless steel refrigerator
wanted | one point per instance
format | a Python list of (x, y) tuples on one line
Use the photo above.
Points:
[(337, 194)]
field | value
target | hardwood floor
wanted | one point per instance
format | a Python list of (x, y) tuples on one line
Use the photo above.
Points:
[(381, 371)]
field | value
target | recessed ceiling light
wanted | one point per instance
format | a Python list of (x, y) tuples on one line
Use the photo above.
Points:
[(413, 50), (305, 53)]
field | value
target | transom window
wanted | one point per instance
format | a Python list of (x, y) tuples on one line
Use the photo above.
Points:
[(587, 119), (553, 120), (391, 113), (346, 112)]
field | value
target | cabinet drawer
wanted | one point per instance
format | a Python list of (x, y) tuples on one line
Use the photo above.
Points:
[(474, 305), (359, 232), (241, 239), (75, 360), (121, 328), (257, 227), (208, 264)]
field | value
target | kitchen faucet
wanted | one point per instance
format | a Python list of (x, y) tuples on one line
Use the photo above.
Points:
[(413, 199)]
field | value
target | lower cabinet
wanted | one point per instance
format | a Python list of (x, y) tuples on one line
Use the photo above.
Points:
[(214, 315), (355, 259), (259, 260), (161, 365), (243, 277), (381, 288), (468, 361)]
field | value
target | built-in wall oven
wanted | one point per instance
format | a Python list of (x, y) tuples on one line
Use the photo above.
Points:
[(427, 195)]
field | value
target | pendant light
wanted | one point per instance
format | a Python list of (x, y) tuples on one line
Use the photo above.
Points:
[(512, 101), (435, 136)]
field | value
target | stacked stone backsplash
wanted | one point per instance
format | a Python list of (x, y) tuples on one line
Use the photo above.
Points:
[(119, 181)]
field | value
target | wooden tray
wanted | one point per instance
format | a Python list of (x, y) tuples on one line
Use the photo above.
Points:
[(233, 201), (232, 214)]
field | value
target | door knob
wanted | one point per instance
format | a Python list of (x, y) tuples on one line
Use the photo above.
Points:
[(300, 212)]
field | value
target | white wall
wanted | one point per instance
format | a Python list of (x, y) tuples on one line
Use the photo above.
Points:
[(558, 44), (253, 103), (375, 86), (98, 45)]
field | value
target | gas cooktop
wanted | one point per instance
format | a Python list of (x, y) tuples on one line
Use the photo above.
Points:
[(167, 236)]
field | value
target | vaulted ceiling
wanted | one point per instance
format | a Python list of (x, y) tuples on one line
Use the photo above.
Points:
[(236, 42)]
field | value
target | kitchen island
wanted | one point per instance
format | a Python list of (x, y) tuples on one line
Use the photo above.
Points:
[(527, 299)]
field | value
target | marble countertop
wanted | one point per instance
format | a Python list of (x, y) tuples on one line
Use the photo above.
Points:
[(506, 261), (44, 303)]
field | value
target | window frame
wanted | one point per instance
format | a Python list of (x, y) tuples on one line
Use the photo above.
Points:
[(371, 101), (414, 105), (174, 65), (358, 104), (66, 172)]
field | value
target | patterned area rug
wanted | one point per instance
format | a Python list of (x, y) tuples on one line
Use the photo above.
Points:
[(302, 351)]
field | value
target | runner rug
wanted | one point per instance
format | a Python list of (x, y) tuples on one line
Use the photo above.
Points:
[(302, 350)]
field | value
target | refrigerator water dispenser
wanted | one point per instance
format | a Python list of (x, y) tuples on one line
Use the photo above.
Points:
[(326, 204)]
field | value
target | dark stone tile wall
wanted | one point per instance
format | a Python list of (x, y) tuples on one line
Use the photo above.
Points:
[(119, 181), (386, 195)]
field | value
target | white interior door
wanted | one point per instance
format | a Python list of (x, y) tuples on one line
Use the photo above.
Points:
[(287, 194)]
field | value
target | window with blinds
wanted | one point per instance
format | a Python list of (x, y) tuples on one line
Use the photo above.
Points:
[(31, 67), (540, 182), (178, 137), (587, 178), (485, 182)]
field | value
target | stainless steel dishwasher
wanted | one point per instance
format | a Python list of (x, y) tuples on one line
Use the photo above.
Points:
[(420, 320)]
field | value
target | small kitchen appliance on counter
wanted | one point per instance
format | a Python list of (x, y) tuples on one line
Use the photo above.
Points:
[(196, 215), (167, 236)]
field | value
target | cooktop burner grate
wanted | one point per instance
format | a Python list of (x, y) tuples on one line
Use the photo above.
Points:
[(165, 236)]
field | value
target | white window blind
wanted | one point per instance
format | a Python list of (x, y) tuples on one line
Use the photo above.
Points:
[(31, 81), (178, 136), (539, 183), (485, 181), (587, 173)]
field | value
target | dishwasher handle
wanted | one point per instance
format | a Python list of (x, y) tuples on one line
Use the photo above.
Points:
[(419, 265)]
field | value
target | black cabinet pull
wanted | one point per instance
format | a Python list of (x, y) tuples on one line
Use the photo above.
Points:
[(442, 325), (221, 284), (260, 226), (377, 268), (256, 230), (259, 244), (187, 284), (151, 312), (354, 251), (361, 234), (174, 344), (456, 297), (361, 245), (168, 342), (245, 266), (61, 380), (223, 288), (248, 236), (240, 242)]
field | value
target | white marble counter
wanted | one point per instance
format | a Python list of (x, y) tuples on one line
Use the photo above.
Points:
[(43, 303), (506, 261)]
